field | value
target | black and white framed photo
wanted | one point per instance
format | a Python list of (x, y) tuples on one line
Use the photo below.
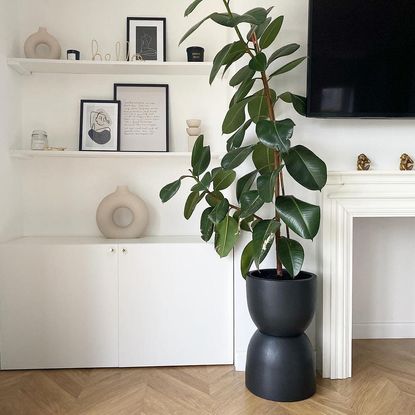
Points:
[(100, 125), (144, 117), (146, 37)]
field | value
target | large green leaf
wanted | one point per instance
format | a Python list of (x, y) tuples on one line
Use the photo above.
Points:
[(284, 51), (299, 102), (245, 183), (251, 202), (258, 105), (242, 75), (258, 29), (263, 237), (263, 158), (168, 191), (223, 179), (242, 91), (204, 183), (291, 254), (255, 16), (193, 29), (206, 225), (234, 118), (219, 212), (306, 168), (191, 203), (275, 134), (247, 259), (271, 33), (288, 67), (228, 54), (225, 19), (226, 235), (200, 157), (236, 157), (236, 140), (192, 7), (302, 217), (258, 62), (213, 198), (266, 185)]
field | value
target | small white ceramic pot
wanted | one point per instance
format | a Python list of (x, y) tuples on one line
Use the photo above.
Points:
[(194, 131), (194, 123)]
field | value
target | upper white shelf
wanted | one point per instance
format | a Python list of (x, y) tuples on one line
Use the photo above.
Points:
[(31, 66), (30, 154)]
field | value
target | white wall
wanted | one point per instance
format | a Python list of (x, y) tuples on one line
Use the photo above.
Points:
[(383, 278), (60, 196), (10, 212)]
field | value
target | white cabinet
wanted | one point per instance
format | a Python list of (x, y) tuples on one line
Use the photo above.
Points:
[(89, 302), (58, 305), (176, 305)]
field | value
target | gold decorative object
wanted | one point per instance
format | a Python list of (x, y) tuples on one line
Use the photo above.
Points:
[(363, 162), (95, 50), (406, 162)]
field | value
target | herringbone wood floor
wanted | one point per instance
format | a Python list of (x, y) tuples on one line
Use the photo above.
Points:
[(383, 383)]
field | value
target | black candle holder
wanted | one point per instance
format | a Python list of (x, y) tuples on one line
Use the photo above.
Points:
[(73, 55), (195, 54)]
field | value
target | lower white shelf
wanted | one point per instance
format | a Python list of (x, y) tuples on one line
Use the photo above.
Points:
[(91, 302)]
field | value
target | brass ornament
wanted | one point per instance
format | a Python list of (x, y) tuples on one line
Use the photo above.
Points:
[(406, 162), (363, 162)]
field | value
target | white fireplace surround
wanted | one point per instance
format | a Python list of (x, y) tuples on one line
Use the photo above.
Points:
[(350, 195)]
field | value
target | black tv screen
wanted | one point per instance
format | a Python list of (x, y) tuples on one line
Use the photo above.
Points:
[(361, 58)]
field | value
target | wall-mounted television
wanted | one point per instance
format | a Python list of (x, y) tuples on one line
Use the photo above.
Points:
[(361, 58)]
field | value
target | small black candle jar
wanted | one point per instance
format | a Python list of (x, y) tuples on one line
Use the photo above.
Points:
[(195, 54), (73, 55)]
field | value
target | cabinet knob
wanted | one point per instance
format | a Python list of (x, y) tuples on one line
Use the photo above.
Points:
[(112, 250), (124, 251)]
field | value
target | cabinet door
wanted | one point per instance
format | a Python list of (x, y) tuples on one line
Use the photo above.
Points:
[(176, 305), (59, 306)]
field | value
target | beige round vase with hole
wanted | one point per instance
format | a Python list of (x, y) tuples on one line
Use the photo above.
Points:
[(122, 215), (42, 38)]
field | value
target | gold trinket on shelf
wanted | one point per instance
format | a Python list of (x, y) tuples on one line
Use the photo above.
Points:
[(363, 162), (406, 162)]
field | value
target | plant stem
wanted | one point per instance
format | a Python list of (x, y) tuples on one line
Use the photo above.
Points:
[(217, 198)]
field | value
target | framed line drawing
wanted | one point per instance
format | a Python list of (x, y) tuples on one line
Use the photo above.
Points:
[(99, 125), (146, 36), (144, 117)]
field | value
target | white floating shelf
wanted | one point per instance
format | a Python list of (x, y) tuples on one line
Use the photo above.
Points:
[(31, 66), (31, 154)]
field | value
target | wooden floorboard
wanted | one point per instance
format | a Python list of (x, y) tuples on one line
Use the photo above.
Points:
[(383, 383)]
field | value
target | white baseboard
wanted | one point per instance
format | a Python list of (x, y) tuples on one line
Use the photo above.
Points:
[(384, 330), (240, 361)]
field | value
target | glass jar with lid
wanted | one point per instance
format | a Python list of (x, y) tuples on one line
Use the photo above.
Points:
[(39, 140)]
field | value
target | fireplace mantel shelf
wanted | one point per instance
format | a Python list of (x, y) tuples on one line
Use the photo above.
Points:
[(350, 195)]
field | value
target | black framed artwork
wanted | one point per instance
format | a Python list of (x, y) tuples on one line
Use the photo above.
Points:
[(144, 117), (100, 125), (146, 37)]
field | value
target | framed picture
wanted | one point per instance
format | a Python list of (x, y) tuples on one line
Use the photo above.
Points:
[(100, 125), (144, 117), (147, 37)]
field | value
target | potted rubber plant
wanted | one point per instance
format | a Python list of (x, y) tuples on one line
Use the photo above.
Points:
[(281, 301)]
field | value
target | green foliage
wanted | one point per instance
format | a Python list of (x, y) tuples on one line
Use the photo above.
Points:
[(268, 148), (226, 235), (275, 134), (302, 217), (271, 33), (291, 254)]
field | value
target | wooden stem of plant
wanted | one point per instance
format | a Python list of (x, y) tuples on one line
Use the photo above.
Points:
[(279, 183)]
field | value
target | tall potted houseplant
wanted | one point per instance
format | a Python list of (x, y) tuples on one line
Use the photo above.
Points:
[(281, 301)]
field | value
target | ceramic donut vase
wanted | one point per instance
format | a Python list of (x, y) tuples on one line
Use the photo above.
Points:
[(42, 37), (122, 198)]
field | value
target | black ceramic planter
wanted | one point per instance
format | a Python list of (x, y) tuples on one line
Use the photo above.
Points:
[(280, 363)]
